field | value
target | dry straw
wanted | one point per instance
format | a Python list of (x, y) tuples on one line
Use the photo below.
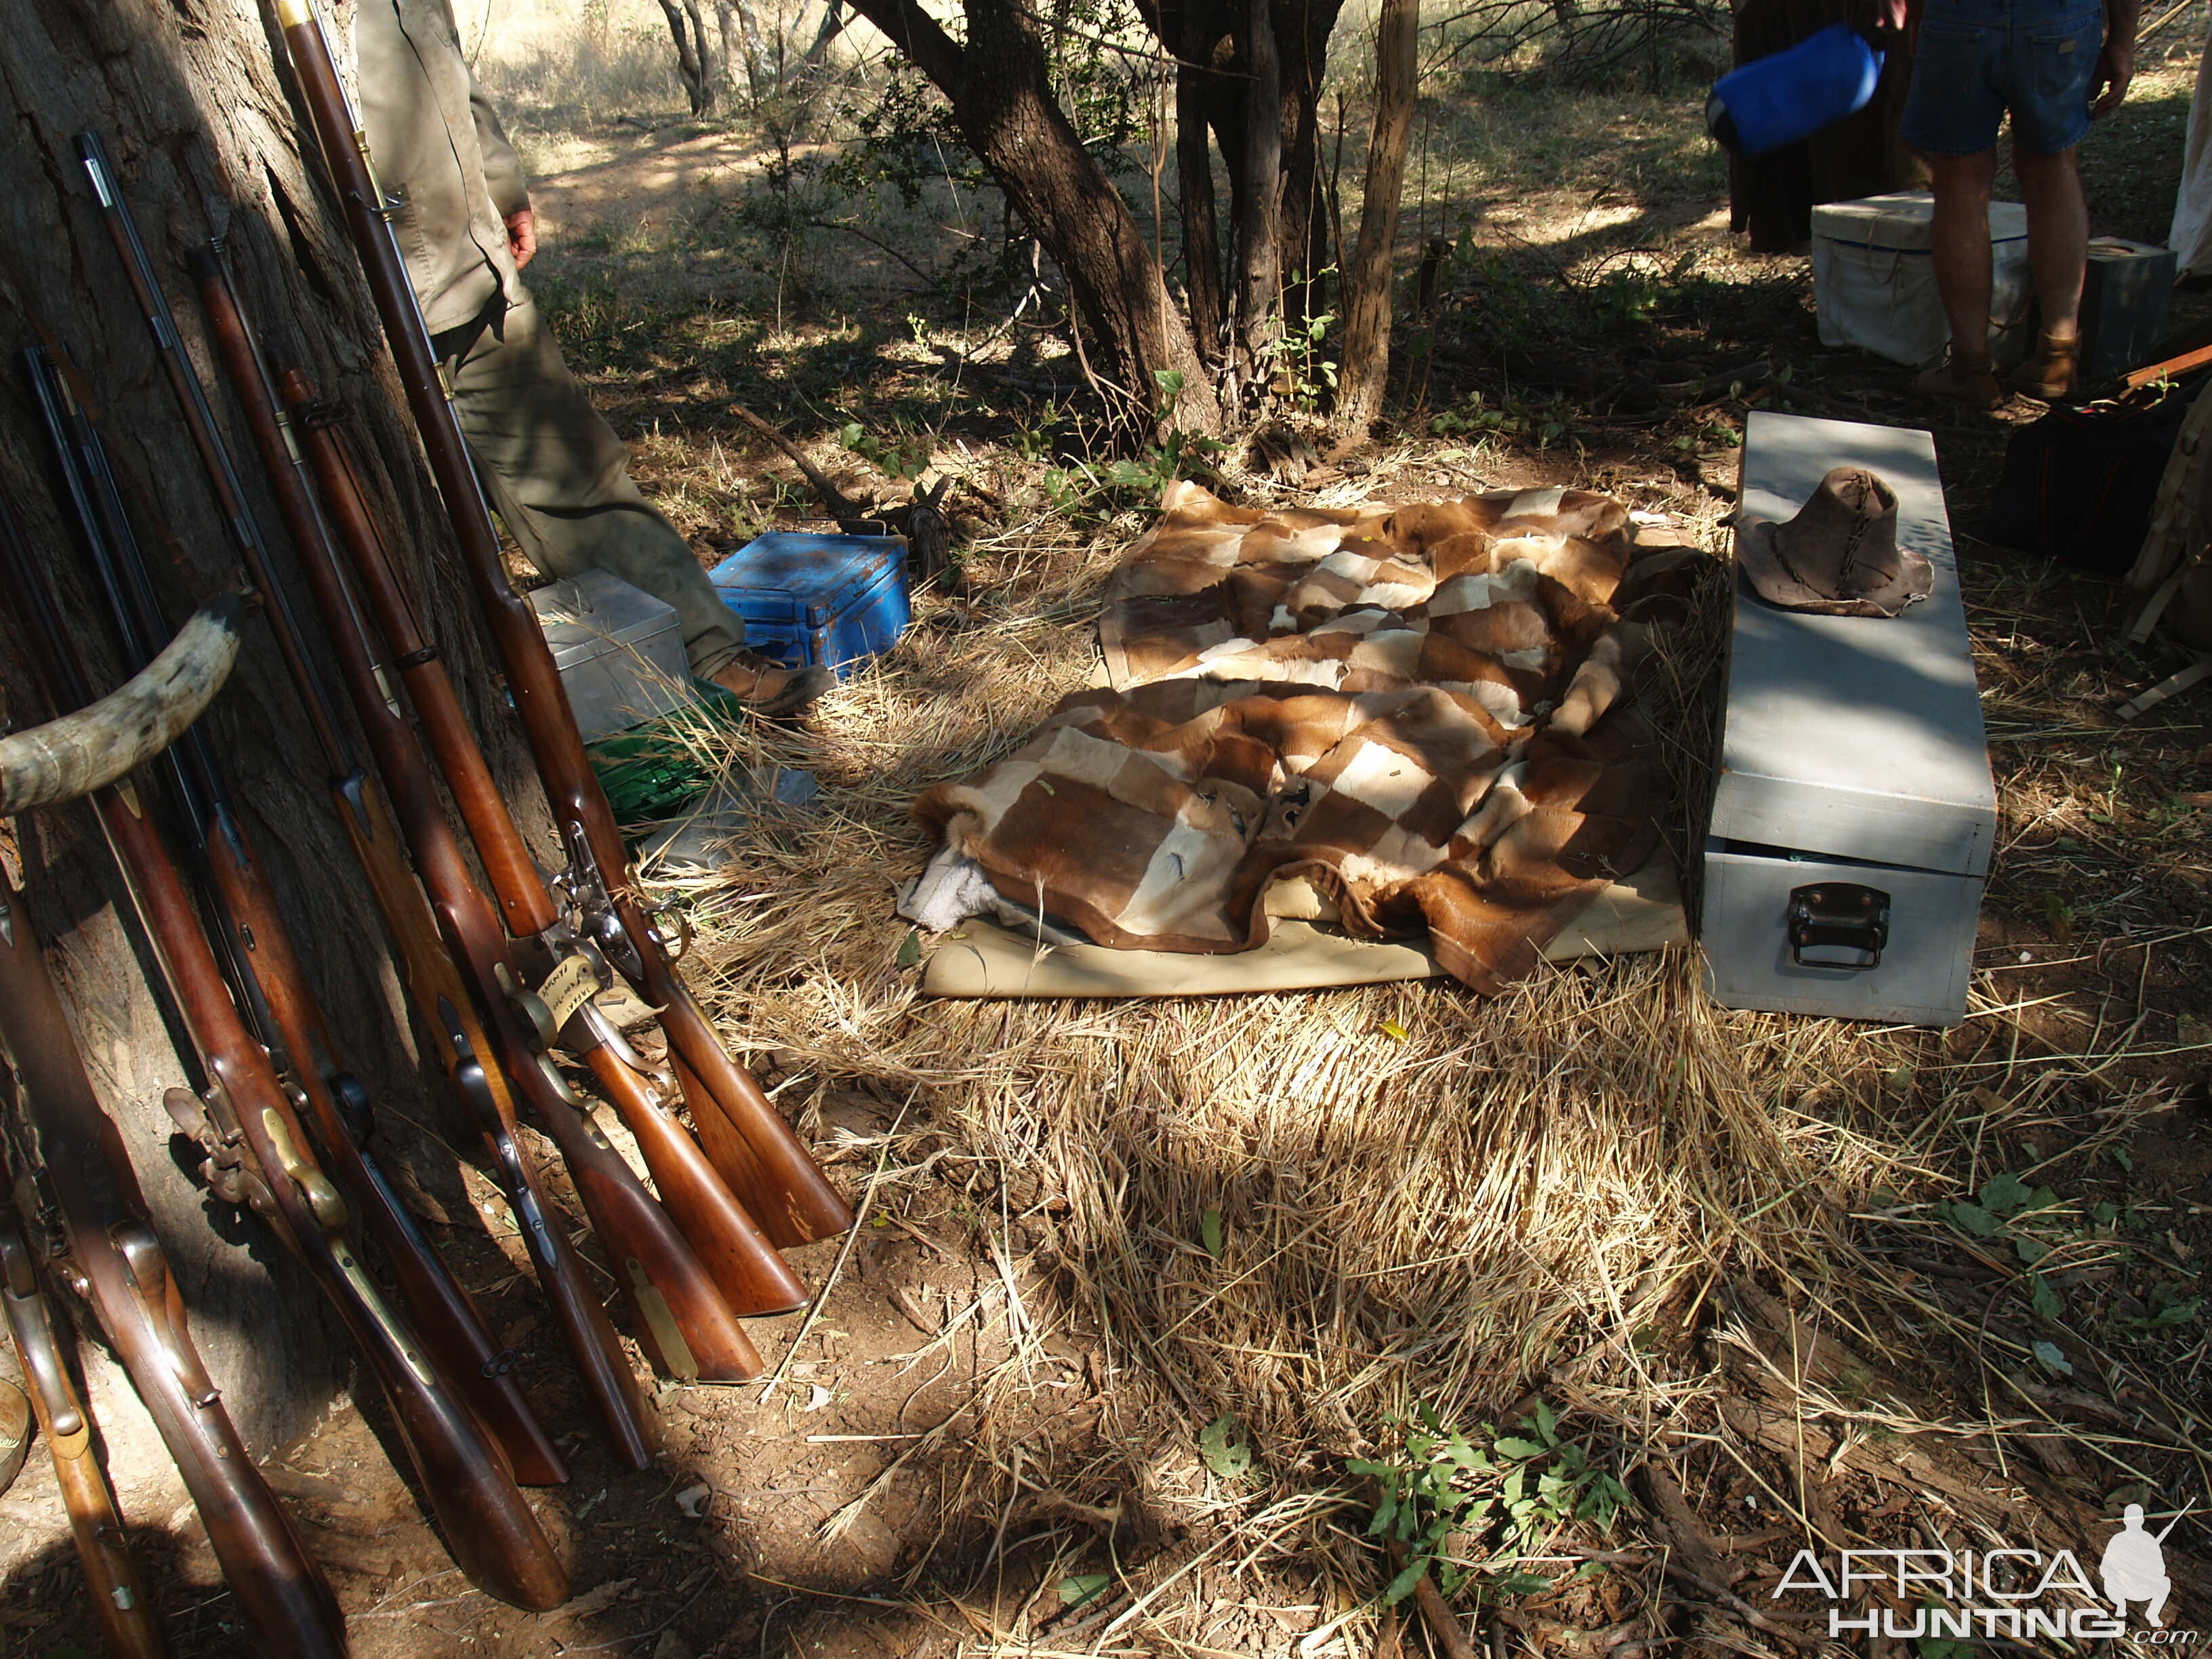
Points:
[(1308, 1210)]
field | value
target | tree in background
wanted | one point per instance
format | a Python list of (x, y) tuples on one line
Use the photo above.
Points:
[(1367, 278)]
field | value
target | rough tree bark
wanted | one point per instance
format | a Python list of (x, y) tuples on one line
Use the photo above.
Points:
[(1366, 364), (833, 24), (1002, 102), (1201, 235), (1257, 322), (695, 55), (1211, 38), (197, 120)]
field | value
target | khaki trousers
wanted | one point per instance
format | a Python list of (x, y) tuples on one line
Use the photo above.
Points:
[(560, 477)]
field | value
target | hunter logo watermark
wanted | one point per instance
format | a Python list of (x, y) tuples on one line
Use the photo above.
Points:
[(2020, 1595)]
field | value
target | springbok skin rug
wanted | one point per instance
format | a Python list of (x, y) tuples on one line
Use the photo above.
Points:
[(1417, 712)]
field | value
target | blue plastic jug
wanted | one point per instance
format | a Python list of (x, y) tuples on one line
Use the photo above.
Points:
[(1777, 100)]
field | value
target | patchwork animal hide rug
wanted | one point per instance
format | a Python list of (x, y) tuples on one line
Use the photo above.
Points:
[(1416, 714)]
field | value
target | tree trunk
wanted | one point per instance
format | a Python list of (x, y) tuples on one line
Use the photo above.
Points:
[(1218, 33), (739, 47), (1259, 253), (1367, 283), (192, 110), (1002, 102), (833, 24), (694, 61), (1302, 33), (1201, 236)]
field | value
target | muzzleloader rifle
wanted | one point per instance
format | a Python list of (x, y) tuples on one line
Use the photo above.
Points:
[(756, 1150), (127, 1625), (749, 1275), (684, 1318), (87, 1230), (246, 1116), (446, 1013), (434, 1302)]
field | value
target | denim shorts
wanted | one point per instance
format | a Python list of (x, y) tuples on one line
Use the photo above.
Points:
[(1976, 59)]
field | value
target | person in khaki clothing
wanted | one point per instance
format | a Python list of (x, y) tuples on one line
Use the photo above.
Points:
[(558, 473)]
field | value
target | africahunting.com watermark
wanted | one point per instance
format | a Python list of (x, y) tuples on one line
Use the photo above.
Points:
[(2017, 1594)]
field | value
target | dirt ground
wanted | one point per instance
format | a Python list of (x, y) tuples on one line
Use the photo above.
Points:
[(960, 1450)]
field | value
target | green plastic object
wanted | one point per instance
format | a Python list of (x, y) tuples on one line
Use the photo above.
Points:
[(652, 771)]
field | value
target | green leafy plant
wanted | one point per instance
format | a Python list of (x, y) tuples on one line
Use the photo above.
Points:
[(2171, 1304), (1294, 362), (1544, 424), (1445, 1489), (906, 457), (1092, 489), (1079, 1587)]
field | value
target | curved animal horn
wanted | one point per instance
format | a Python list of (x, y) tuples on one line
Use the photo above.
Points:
[(79, 752)]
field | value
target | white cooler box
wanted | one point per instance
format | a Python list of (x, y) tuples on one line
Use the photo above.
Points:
[(1854, 812), (620, 652), (1874, 280)]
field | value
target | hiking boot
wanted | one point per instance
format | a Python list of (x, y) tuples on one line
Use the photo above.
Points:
[(1962, 380), (767, 687), (2049, 372)]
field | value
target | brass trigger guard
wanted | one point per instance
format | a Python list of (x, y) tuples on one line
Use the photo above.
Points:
[(323, 1199)]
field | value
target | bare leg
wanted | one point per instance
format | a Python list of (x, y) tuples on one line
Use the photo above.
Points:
[(1959, 238), (2058, 237)]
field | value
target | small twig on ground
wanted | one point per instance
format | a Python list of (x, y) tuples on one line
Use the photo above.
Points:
[(1434, 1613), (841, 507), (852, 1236)]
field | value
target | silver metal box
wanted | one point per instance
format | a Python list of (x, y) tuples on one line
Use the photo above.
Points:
[(619, 651), (1854, 812)]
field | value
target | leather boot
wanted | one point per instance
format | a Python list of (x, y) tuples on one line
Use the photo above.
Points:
[(1962, 380), (2049, 372), (767, 687)]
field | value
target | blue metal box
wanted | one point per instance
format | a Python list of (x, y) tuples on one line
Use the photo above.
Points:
[(806, 598)]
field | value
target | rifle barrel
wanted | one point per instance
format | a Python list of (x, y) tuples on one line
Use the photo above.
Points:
[(760, 1156), (489, 1525), (87, 1178)]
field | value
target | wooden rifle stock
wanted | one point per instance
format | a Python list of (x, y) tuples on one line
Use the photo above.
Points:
[(752, 1277), (679, 1313), (451, 1328), (127, 1626), (85, 1190), (764, 1162), (258, 1149)]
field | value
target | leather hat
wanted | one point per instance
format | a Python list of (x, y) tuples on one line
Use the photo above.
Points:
[(1839, 555)]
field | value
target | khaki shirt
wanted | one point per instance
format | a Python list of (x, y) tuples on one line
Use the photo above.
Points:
[(438, 144)]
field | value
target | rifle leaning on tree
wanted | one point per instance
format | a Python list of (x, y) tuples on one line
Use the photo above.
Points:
[(751, 1277), (90, 1231), (619, 1207), (683, 1317), (754, 1150), (259, 1153), (127, 1626), (275, 999)]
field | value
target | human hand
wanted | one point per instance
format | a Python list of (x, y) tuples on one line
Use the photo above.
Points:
[(2116, 67), (522, 235)]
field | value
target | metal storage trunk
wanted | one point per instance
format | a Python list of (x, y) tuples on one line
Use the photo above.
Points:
[(1854, 811), (619, 650), (1874, 279), (2125, 289), (806, 599)]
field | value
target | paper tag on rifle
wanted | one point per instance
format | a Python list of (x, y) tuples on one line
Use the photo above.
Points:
[(568, 987)]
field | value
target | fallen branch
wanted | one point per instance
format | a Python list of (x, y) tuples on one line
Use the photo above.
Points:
[(1434, 1613), (850, 518)]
